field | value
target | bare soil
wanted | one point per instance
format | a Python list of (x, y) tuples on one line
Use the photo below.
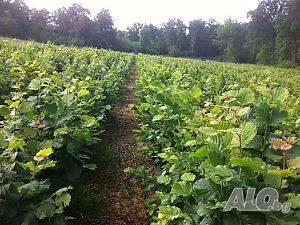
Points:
[(109, 196)]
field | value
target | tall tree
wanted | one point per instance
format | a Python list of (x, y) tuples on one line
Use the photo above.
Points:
[(175, 34), (288, 28), (262, 32), (201, 34), (231, 40), (41, 29), (106, 34), (73, 25), (149, 37), (14, 18), (134, 32)]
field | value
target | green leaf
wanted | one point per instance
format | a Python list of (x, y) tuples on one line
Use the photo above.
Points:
[(90, 166), (188, 177), (163, 179), (196, 93), (4, 110), (63, 200), (190, 143), (279, 94), (295, 200), (294, 163), (277, 116), (181, 188), (83, 93), (200, 153), (262, 113), (46, 210), (30, 218), (157, 117), (62, 190), (209, 131), (231, 219), (254, 164), (203, 211), (35, 84), (169, 212), (248, 133), (3, 143), (89, 121), (220, 174), (14, 104), (4, 188), (206, 189), (246, 96)]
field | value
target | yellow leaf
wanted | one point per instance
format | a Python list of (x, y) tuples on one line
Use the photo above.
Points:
[(294, 163), (282, 173), (42, 154)]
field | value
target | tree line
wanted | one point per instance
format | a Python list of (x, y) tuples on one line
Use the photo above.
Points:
[(271, 36)]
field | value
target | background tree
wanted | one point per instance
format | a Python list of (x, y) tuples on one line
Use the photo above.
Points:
[(175, 35), (201, 34), (134, 32), (231, 40), (106, 34), (40, 25), (14, 18), (72, 25), (271, 36), (262, 31), (288, 29)]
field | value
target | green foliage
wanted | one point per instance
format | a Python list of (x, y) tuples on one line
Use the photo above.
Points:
[(211, 127), (51, 113)]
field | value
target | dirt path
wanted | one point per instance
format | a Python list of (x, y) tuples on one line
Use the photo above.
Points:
[(108, 196)]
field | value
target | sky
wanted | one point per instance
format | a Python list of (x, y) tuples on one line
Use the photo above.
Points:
[(127, 12)]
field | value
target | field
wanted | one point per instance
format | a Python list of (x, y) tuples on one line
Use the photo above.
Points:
[(208, 128)]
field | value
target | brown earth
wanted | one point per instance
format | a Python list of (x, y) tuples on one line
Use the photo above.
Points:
[(109, 196)]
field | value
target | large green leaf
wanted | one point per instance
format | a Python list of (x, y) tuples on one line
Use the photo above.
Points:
[(279, 94), (246, 96), (196, 93), (278, 116), (205, 189), (46, 209), (220, 174), (169, 212), (181, 188), (63, 200), (262, 113), (248, 133), (35, 84), (157, 117), (255, 164), (188, 177)]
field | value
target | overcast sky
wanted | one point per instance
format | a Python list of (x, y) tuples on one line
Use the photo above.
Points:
[(127, 12)]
